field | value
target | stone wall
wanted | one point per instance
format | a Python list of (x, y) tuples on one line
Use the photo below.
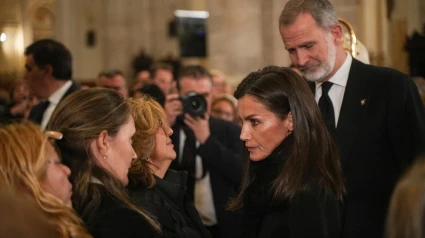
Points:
[(242, 36)]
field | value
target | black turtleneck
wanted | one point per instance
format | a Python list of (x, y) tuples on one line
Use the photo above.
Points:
[(309, 214)]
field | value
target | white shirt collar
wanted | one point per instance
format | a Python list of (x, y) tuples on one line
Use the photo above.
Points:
[(341, 76), (58, 94)]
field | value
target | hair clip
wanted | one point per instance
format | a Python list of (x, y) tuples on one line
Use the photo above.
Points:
[(54, 135)]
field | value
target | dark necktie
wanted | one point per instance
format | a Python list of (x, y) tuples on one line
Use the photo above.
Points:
[(326, 107), (36, 114), (189, 154), (189, 151)]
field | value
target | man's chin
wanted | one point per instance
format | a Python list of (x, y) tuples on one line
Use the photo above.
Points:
[(313, 77), (316, 76)]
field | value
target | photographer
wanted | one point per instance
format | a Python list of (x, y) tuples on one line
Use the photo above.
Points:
[(209, 149)]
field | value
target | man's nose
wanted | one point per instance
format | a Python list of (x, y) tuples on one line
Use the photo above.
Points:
[(302, 58)]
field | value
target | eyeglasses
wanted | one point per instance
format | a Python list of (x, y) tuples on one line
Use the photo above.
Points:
[(222, 113)]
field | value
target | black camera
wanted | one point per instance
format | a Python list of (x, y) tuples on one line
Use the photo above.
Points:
[(194, 104)]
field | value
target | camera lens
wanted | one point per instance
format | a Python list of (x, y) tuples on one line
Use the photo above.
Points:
[(194, 104)]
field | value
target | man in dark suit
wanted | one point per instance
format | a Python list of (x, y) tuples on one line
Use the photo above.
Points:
[(48, 67), (375, 114), (210, 150)]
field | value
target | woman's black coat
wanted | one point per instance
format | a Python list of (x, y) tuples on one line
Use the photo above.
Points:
[(170, 204)]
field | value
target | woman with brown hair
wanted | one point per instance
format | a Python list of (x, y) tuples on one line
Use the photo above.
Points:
[(29, 163), (406, 215), (97, 129), (292, 184), (153, 186)]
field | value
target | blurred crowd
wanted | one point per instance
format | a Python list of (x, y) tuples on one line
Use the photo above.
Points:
[(328, 147)]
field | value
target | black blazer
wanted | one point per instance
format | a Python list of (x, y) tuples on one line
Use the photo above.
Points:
[(37, 111), (380, 131), (113, 220), (222, 155)]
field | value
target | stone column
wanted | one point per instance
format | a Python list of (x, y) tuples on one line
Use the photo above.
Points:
[(273, 48), (117, 47), (235, 37)]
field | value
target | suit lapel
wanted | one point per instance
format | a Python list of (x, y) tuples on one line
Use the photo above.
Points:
[(74, 87), (353, 109)]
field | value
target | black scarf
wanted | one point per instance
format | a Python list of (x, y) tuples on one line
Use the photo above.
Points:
[(258, 198)]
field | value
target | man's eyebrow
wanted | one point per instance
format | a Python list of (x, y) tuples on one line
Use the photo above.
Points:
[(304, 44), (307, 43)]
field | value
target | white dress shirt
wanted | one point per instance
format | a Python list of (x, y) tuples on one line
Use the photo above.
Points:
[(54, 99), (336, 93), (203, 197)]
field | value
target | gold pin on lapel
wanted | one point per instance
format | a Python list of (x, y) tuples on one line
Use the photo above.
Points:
[(363, 102)]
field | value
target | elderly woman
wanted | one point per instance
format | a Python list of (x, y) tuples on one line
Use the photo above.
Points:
[(292, 185), (160, 191), (29, 163), (97, 129)]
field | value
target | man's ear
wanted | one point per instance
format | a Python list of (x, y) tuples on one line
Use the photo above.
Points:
[(48, 69), (337, 33)]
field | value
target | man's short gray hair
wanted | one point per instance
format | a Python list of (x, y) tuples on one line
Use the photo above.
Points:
[(322, 11)]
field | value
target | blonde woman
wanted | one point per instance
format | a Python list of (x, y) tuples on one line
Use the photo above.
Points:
[(29, 163), (406, 216), (152, 185)]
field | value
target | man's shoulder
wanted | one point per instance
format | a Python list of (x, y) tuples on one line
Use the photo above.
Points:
[(377, 72)]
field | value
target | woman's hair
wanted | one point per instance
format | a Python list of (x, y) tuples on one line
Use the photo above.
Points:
[(23, 165), (81, 117), (313, 159), (21, 217), (148, 116), (406, 215)]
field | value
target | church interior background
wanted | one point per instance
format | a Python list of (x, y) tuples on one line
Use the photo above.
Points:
[(240, 36)]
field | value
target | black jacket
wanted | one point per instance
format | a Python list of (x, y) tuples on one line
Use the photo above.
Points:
[(171, 206), (311, 213), (37, 111), (222, 157), (113, 220), (380, 131)]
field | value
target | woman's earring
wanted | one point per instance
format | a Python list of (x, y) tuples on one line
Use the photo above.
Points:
[(289, 132), (105, 157)]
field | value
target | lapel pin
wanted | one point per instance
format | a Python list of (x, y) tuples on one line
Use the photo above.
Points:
[(363, 102)]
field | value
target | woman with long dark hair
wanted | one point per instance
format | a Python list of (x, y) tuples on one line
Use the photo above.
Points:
[(292, 184)]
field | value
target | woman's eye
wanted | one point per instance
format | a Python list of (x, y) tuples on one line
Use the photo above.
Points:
[(254, 122)]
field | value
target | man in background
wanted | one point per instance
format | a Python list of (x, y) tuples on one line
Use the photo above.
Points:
[(48, 65), (162, 76), (113, 79), (209, 149)]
